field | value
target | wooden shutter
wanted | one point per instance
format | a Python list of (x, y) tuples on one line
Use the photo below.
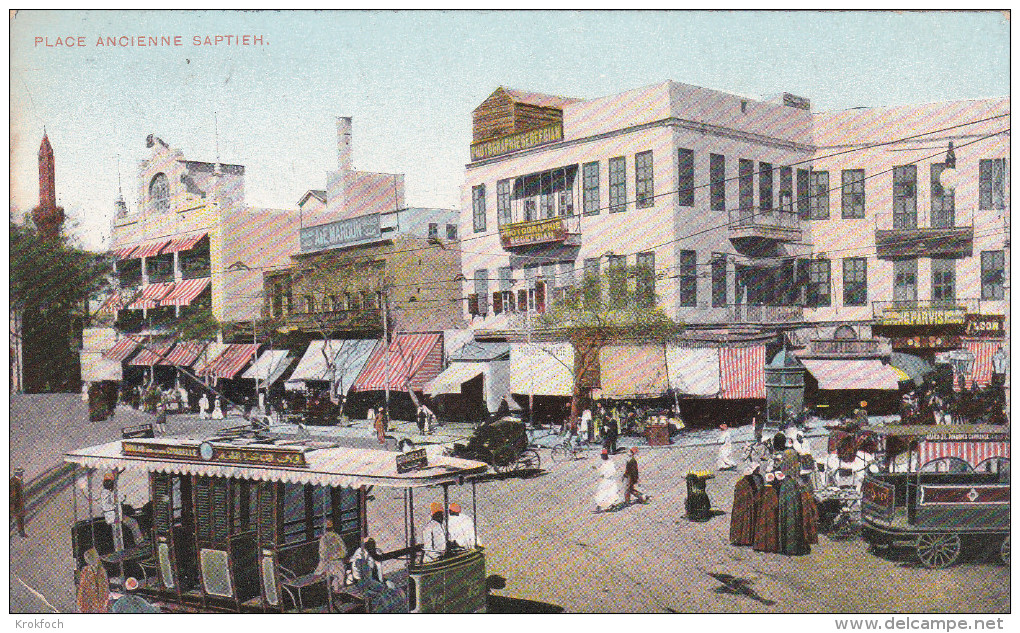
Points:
[(497, 302)]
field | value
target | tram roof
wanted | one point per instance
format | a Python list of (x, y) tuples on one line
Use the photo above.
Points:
[(942, 431), (325, 463)]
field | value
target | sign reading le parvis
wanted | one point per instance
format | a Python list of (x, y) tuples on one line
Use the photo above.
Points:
[(342, 233), (952, 315)]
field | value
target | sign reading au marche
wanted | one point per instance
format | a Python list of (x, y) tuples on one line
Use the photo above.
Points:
[(341, 233), (516, 142), (524, 233)]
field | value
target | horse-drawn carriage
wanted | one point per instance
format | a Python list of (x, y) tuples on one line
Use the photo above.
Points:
[(502, 444)]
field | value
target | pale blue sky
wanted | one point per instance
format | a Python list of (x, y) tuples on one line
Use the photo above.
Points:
[(410, 80)]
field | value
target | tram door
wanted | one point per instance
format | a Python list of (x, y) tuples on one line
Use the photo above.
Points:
[(225, 537), (173, 524)]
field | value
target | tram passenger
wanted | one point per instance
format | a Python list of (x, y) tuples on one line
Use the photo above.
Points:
[(365, 562), (434, 536), (332, 557), (109, 505), (462, 528)]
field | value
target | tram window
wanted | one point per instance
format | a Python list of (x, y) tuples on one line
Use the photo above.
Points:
[(175, 497), (243, 503), (305, 508), (997, 465)]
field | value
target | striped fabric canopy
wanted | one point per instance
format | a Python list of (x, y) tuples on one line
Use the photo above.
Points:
[(112, 303), (742, 372), (152, 354), (969, 451), (121, 350), (184, 292), (151, 295), (185, 353), (151, 249), (231, 361), (183, 243), (413, 360), (123, 253), (981, 373)]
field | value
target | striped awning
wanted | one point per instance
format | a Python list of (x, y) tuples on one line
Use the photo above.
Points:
[(183, 243), (184, 292), (981, 373), (151, 249), (152, 354), (852, 374), (742, 372), (185, 353), (412, 360), (633, 371), (970, 451), (231, 361), (121, 350), (124, 252), (113, 303), (151, 295)]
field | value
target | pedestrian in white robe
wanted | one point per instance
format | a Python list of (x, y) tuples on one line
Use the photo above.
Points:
[(217, 413), (203, 407), (608, 492), (725, 458)]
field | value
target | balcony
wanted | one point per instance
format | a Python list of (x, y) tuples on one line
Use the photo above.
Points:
[(754, 227), (744, 313), (843, 348), (335, 320), (924, 235), (927, 312)]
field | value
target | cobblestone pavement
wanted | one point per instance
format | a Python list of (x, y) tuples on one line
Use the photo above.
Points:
[(543, 539)]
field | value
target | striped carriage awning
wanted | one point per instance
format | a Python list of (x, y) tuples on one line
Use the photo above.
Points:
[(121, 350), (185, 353), (183, 243), (231, 361), (742, 372), (124, 252), (413, 360), (981, 373), (969, 451), (184, 292), (151, 295), (152, 354), (151, 249)]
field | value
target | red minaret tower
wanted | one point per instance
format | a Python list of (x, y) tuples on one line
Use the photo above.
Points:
[(48, 217)]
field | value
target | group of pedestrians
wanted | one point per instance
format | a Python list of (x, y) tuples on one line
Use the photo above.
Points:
[(607, 493)]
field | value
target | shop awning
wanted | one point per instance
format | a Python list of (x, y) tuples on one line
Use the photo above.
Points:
[(151, 249), (112, 303), (350, 362), (969, 451), (230, 361), (152, 354), (482, 351), (95, 368), (124, 253), (412, 359), (348, 356), (633, 371), (185, 354), (693, 371), (742, 372), (542, 369), (852, 374), (453, 377), (151, 296), (183, 243), (269, 367), (121, 350), (313, 365), (981, 373), (184, 292)]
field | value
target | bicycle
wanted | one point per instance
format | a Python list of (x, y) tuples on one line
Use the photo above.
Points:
[(758, 450), (567, 450)]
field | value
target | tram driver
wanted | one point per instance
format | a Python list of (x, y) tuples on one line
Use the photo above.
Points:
[(434, 536)]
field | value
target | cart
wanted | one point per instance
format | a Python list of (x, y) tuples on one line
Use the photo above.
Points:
[(937, 489), (502, 444)]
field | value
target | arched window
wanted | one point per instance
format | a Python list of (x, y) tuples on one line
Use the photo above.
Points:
[(159, 193), (845, 333)]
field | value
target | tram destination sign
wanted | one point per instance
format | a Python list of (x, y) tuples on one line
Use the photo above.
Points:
[(218, 453), (412, 461)]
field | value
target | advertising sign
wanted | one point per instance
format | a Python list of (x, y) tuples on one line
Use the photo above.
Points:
[(985, 325), (516, 142), (950, 315), (365, 228), (536, 232)]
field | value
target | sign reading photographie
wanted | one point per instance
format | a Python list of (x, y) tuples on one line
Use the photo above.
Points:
[(536, 232), (516, 142), (342, 233)]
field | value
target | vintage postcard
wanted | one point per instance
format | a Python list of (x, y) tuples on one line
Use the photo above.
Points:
[(584, 312)]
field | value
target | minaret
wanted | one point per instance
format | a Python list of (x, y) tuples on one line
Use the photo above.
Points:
[(48, 217)]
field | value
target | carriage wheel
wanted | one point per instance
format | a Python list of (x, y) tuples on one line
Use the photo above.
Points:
[(529, 460), (502, 460), (938, 550), (1004, 551), (560, 453)]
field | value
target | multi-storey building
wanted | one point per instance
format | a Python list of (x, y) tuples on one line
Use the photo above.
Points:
[(745, 220)]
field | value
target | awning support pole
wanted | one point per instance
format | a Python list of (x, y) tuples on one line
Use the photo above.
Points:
[(92, 524), (446, 516)]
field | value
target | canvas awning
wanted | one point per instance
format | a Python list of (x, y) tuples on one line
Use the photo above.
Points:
[(112, 303), (915, 368), (151, 296), (742, 372), (152, 354), (95, 368), (852, 374), (349, 358), (981, 372), (185, 353), (151, 249), (184, 292), (183, 243), (121, 350), (479, 351), (124, 252), (230, 361), (413, 360), (633, 371), (542, 369), (693, 371), (313, 365), (269, 367), (451, 379)]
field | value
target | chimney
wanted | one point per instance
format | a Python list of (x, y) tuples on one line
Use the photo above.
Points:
[(343, 144)]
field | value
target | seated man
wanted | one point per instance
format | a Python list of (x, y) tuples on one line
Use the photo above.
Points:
[(365, 562), (381, 597), (108, 502), (462, 528), (332, 557)]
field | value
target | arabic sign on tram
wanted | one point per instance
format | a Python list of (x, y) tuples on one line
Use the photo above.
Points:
[(208, 452)]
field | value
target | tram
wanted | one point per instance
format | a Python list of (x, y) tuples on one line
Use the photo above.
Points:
[(936, 489), (233, 522)]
